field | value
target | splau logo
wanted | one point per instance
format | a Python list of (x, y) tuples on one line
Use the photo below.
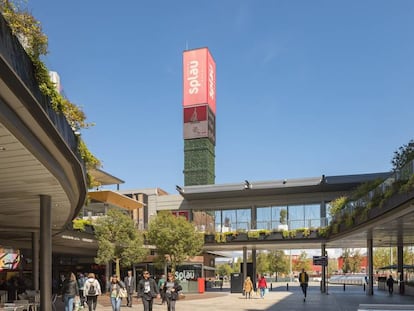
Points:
[(211, 82), (193, 72)]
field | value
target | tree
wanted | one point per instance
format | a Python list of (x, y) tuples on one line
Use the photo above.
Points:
[(262, 263), (118, 240), (175, 238), (278, 262), (346, 255), (403, 155), (356, 261), (224, 269), (303, 262)]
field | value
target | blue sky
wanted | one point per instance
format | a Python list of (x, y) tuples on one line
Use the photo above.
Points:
[(304, 88)]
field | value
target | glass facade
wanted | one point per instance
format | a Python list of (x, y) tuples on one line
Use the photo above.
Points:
[(286, 217)]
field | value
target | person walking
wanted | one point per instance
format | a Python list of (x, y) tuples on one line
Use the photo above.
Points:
[(304, 280), (390, 284), (91, 291), (161, 283), (147, 291), (70, 290), (171, 288), (247, 287), (129, 281), (262, 285), (114, 288), (81, 284)]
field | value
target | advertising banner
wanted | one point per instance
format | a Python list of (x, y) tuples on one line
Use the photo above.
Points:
[(199, 78), (199, 122)]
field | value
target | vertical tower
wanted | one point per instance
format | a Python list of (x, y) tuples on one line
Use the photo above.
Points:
[(199, 105)]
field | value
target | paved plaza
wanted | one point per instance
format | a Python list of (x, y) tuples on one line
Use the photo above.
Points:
[(278, 299)]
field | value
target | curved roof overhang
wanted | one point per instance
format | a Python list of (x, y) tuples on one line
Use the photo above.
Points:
[(38, 149)]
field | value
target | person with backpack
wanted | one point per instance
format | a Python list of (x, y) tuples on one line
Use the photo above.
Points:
[(92, 289)]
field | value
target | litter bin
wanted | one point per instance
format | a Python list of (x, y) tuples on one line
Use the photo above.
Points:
[(236, 283), (201, 285)]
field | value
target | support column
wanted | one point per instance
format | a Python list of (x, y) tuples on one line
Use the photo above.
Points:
[(370, 290), (400, 262), (45, 253), (254, 278), (244, 262), (35, 260), (323, 285)]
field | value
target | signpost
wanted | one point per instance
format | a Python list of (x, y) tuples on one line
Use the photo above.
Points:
[(320, 260)]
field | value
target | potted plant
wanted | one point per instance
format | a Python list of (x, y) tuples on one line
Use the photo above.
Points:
[(283, 220)]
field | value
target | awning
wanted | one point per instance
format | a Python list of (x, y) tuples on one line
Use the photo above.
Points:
[(104, 178), (114, 198)]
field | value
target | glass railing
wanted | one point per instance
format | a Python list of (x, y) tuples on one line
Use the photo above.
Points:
[(383, 190)]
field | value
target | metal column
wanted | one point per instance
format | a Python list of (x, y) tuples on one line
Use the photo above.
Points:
[(35, 260), (370, 290), (45, 253), (323, 253), (400, 261)]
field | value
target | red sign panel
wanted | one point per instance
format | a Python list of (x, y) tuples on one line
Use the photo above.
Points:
[(199, 79), (199, 122)]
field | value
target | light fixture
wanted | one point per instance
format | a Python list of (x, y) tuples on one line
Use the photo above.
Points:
[(247, 185)]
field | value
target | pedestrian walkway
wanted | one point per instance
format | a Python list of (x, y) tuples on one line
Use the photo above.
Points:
[(278, 299)]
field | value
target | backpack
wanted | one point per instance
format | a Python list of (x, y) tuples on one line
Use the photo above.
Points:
[(92, 290)]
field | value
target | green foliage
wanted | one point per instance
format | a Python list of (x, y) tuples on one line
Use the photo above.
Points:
[(403, 155), (79, 224), (337, 205), (29, 32), (408, 186), (364, 188), (278, 262), (303, 262), (253, 234), (224, 269), (352, 260), (118, 240), (174, 238)]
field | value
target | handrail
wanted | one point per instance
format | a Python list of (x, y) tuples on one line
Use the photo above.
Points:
[(404, 174)]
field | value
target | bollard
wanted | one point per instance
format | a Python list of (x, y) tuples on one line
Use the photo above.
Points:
[(287, 286), (344, 286), (271, 286)]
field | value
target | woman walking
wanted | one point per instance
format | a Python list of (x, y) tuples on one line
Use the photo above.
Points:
[(171, 288), (247, 287), (114, 289), (262, 285), (70, 290)]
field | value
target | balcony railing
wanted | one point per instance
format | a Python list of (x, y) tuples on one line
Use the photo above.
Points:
[(374, 198)]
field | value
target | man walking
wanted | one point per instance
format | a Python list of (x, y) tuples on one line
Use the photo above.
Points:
[(390, 284), (129, 282), (304, 280)]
